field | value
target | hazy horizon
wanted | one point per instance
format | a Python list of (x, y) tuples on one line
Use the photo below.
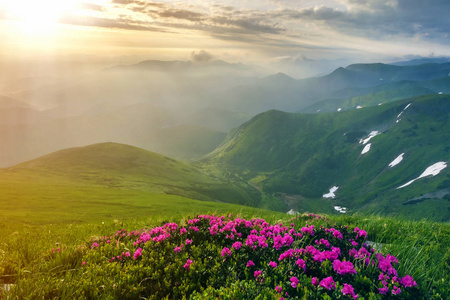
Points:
[(300, 38), (68, 73)]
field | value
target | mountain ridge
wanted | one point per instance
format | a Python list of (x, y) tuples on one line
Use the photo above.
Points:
[(306, 154)]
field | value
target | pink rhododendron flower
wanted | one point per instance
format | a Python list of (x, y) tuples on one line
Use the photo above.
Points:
[(187, 265), (226, 252), (294, 282), (384, 290), (250, 264), (177, 249), (188, 241), (94, 245), (337, 234), (309, 230), (279, 289), (237, 245), (344, 267), (257, 273), (407, 281), (137, 253), (396, 290), (349, 290), (360, 233), (301, 264), (182, 230), (315, 281), (194, 228), (328, 283), (273, 264)]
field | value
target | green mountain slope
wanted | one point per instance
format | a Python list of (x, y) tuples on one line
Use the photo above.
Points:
[(305, 155), (352, 98), (110, 176)]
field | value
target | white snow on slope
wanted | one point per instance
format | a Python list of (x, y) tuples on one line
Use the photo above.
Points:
[(366, 149), (432, 170), (331, 193), (341, 209), (403, 110), (339, 109), (371, 135), (397, 160), (358, 107)]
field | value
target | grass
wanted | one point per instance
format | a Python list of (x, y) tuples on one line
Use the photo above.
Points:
[(109, 181), (27, 259)]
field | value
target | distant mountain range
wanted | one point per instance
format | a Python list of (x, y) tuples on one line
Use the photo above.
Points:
[(303, 141), (388, 159)]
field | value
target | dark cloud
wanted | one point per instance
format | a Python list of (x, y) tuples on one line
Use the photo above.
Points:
[(248, 24), (407, 18), (120, 23), (181, 14), (311, 13), (201, 56)]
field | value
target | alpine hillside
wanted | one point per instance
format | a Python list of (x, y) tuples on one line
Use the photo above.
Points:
[(365, 156)]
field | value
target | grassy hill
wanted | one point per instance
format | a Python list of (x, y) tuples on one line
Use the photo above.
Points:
[(305, 155), (107, 181)]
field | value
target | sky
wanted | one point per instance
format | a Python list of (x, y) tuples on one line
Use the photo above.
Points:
[(249, 31)]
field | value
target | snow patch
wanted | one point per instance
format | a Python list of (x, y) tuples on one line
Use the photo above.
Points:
[(371, 135), (331, 193), (292, 212), (339, 109), (340, 209), (380, 104), (403, 110), (440, 93), (366, 149), (397, 160), (432, 170), (359, 106)]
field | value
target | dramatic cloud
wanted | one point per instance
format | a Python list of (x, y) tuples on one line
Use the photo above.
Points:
[(289, 26)]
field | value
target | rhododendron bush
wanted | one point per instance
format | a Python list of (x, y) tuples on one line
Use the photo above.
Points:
[(232, 258)]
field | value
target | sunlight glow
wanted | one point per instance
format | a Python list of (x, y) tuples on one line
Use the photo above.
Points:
[(37, 17)]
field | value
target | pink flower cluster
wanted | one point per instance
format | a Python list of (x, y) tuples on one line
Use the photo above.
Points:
[(360, 233), (226, 252), (187, 265), (349, 290), (253, 237), (344, 267), (328, 283)]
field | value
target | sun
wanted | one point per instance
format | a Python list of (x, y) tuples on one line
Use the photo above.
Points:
[(37, 16)]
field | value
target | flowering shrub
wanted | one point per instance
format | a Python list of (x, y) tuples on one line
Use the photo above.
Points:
[(213, 256)]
